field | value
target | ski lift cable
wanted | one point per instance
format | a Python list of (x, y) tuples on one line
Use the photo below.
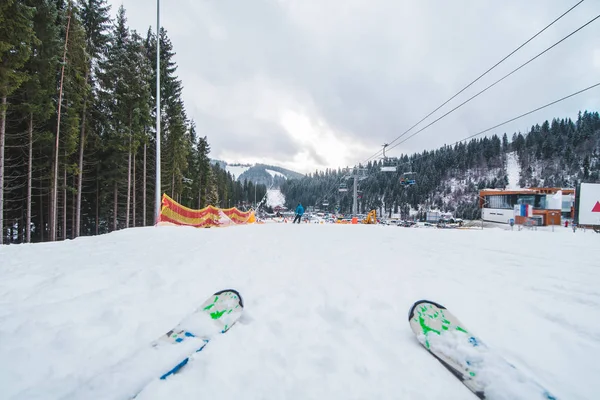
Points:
[(511, 119), (495, 83), (498, 63), (507, 121), (489, 70)]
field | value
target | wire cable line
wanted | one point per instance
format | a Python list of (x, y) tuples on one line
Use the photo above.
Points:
[(515, 118), (495, 83), (486, 72)]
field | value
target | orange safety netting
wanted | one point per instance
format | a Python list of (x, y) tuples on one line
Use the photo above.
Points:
[(174, 213)]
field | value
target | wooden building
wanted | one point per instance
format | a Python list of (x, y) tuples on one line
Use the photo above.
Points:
[(543, 206)]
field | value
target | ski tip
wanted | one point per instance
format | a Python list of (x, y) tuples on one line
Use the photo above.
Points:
[(417, 303), (232, 291)]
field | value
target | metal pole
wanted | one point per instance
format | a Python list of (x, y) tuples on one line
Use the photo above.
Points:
[(354, 195), (158, 115)]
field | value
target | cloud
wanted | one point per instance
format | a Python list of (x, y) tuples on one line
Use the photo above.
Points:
[(354, 74)]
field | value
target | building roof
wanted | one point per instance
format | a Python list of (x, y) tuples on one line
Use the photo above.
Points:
[(491, 192)]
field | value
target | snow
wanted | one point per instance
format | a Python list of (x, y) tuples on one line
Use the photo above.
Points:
[(325, 310), (513, 170), (275, 173), (237, 170), (275, 198)]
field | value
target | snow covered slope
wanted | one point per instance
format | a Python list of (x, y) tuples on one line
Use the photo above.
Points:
[(275, 173), (325, 309), (275, 198), (513, 170)]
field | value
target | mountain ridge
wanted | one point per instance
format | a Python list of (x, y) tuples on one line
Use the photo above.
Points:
[(258, 172)]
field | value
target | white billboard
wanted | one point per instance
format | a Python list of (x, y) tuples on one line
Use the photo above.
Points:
[(589, 204), (502, 216)]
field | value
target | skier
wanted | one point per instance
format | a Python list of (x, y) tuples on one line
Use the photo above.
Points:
[(299, 213)]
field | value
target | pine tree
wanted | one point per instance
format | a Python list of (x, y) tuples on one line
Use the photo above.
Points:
[(95, 20), (138, 110), (75, 90), (114, 94), (203, 173), (16, 39), (175, 136), (37, 93)]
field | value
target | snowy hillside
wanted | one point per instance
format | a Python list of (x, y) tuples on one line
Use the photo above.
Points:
[(325, 310), (275, 173), (268, 175), (513, 170), (275, 198)]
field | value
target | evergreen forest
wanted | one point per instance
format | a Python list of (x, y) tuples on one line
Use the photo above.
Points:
[(78, 125), (557, 153)]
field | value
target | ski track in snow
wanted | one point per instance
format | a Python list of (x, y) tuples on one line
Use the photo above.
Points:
[(275, 197), (513, 170), (325, 309), (275, 173)]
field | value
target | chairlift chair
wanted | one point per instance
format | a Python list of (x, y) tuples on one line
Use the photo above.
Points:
[(408, 178), (389, 164), (343, 187)]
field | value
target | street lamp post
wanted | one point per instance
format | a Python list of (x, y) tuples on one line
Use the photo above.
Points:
[(158, 191)]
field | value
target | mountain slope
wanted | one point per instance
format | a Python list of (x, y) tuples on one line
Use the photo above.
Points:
[(269, 175)]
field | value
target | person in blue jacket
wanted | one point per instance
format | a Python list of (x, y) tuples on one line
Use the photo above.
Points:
[(299, 213)]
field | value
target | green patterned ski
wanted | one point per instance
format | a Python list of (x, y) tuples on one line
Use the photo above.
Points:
[(224, 308), (216, 315), (168, 354), (476, 365)]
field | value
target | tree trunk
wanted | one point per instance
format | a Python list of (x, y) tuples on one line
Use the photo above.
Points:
[(42, 225), (200, 191), (115, 208), (73, 210), (128, 206), (54, 201), (133, 200), (29, 180), (64, 221), (22, 230), (2, 135), (81, 147), (97, 203), (144, 189)]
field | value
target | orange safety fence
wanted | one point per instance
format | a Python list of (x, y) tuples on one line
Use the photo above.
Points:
[(174, 213)]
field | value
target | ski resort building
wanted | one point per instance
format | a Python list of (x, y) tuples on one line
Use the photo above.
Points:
[(541, 206)]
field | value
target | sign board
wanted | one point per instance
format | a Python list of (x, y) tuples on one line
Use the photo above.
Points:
[(589, 204)]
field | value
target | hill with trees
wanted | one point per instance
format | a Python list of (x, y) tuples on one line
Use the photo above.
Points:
[(556, 153)]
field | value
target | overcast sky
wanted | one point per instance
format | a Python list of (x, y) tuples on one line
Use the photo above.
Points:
[(310, 84)]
